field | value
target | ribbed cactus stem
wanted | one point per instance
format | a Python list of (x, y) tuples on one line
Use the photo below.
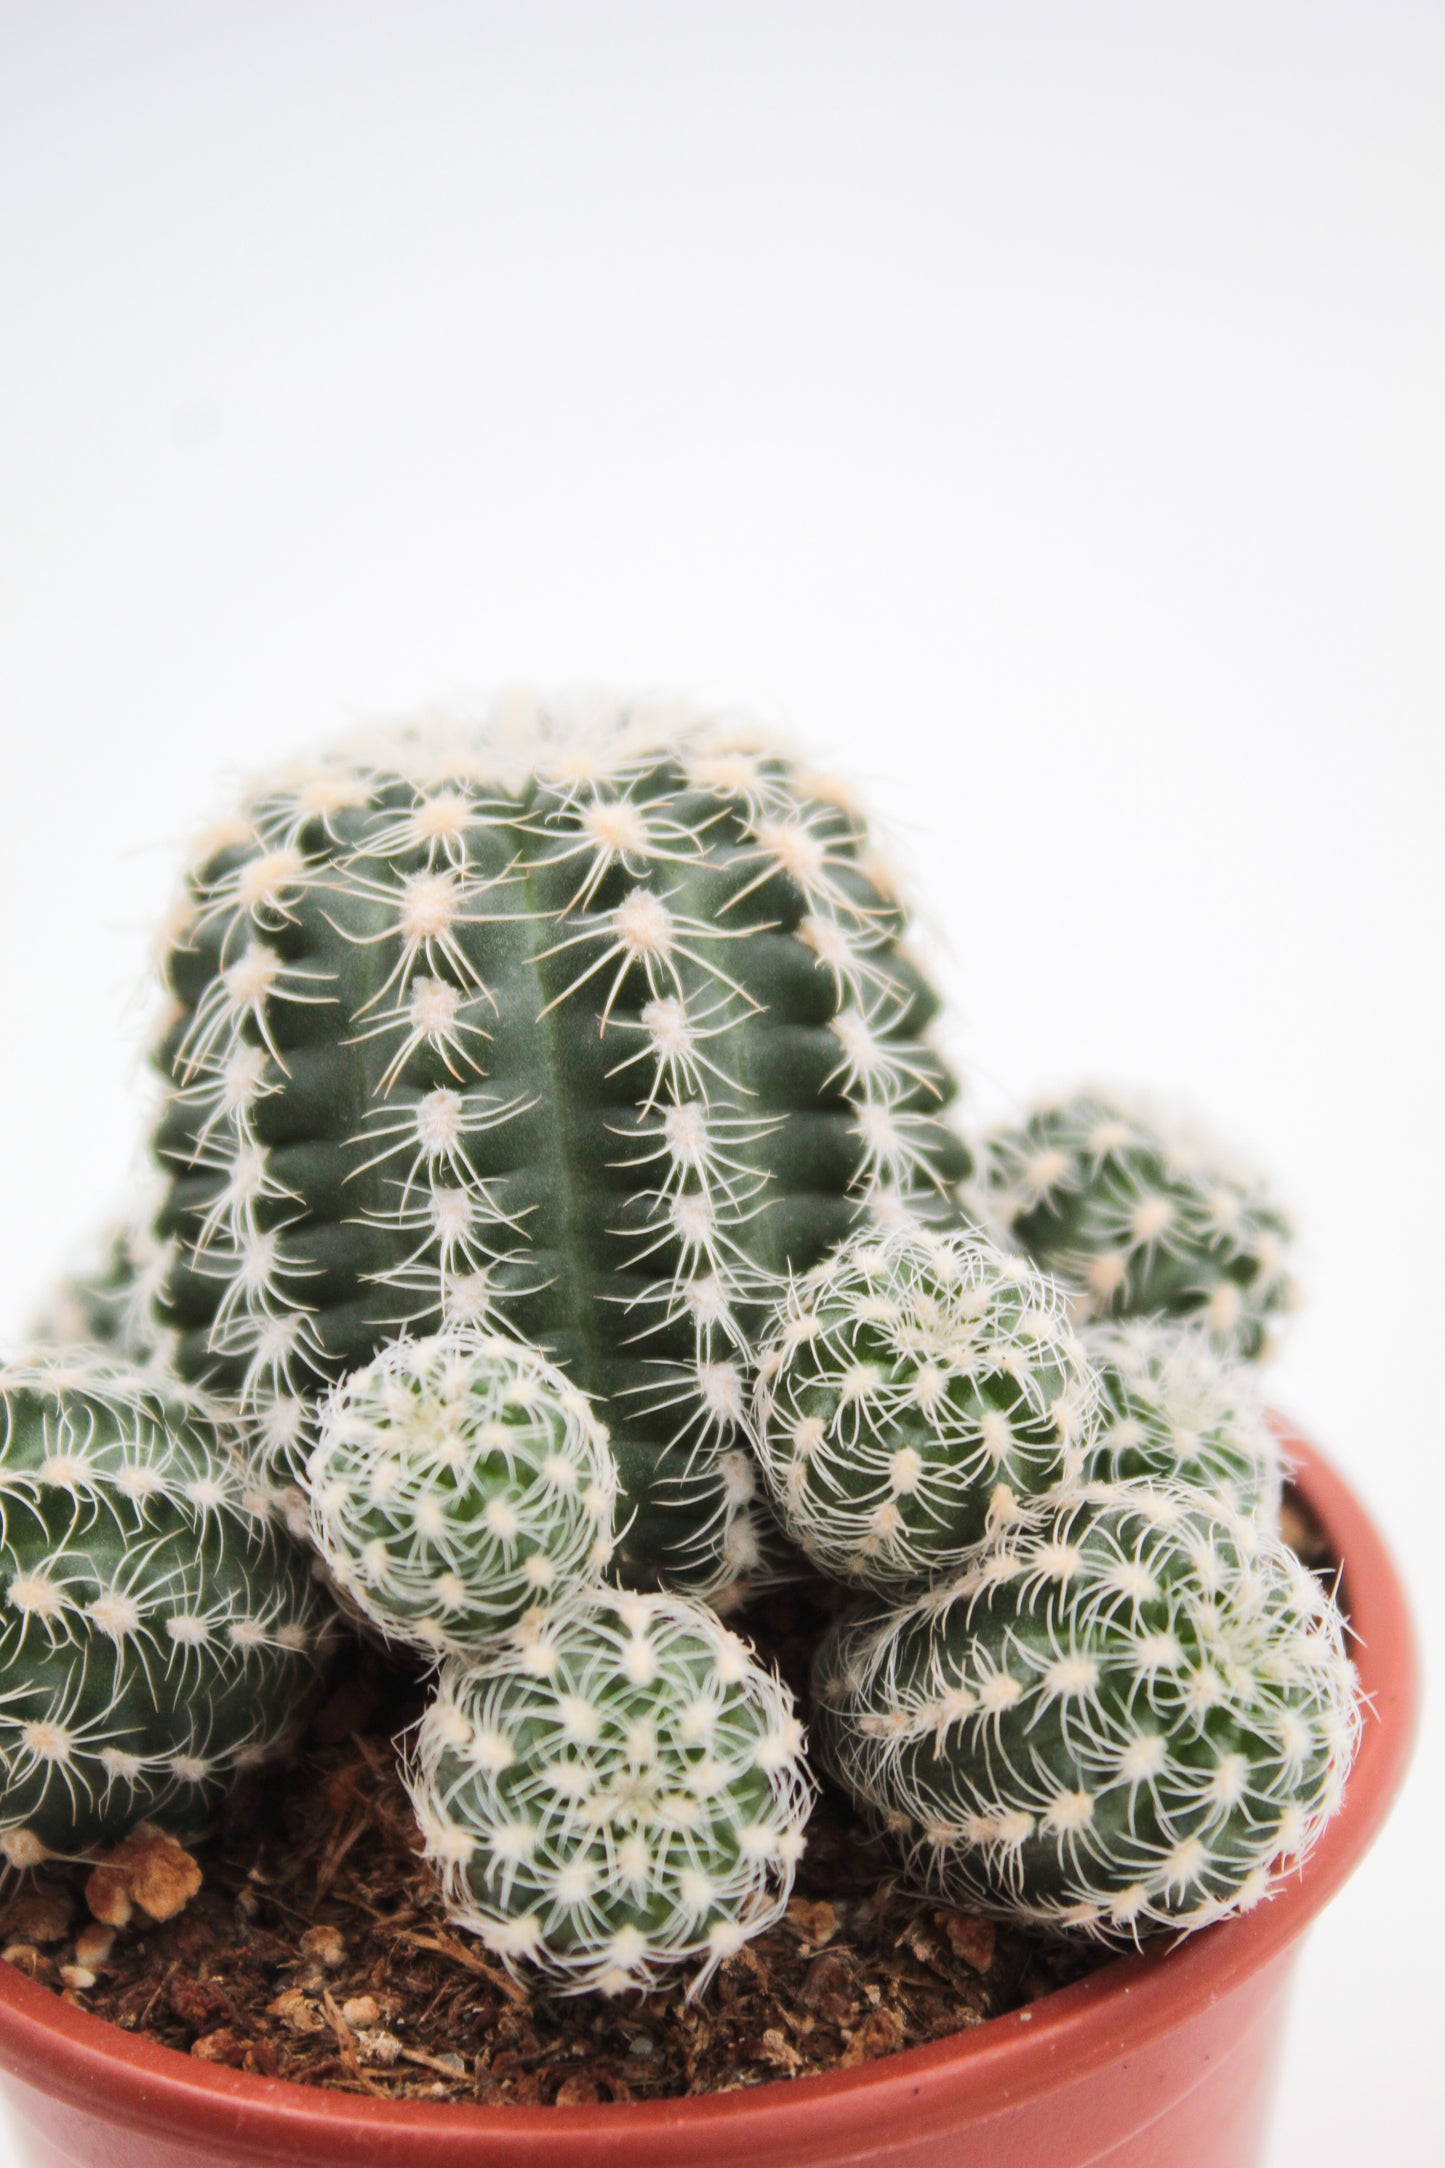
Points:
[(158, 1633), (1143, 1215), (919, 1391), (614, 1796), (1129, 1717), (459, 1482), (591, 1030)]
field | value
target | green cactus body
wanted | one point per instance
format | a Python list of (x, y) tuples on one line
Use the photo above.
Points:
[(615, 1794), (459, 1482), (920, 1390), (1142, 1217), (1122, 1719), (587, 1031), (157, 1633), (1172, 1409)]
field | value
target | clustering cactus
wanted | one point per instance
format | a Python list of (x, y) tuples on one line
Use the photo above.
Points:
[(1173, 1409), (617, 1792), (1123, 1719), (459, 1482), (591, 1029), (157, 1632), (1141, 1216), (920, 1389), (557, 1180)]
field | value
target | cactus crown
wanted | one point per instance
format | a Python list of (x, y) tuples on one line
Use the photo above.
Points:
[(919, 1387), (458, 1482), (590, 1035), (157, 1632), (1174, 1409), (1142, 1216), (617, 1792), (1123, 1718)]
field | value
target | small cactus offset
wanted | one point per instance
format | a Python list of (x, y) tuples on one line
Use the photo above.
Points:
[(1124, 1719), (1141, 1216), (920, 1388), (1173, 1409), (614, 1796), (158, 1634), (459, 1482), (590, 1029)]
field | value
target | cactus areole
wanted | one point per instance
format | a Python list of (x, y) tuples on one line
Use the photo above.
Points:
[(591, 1029)]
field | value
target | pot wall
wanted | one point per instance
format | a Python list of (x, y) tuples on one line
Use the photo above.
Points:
[(1196, 2097)]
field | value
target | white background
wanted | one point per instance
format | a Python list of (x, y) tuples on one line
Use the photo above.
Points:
[(1038, 407)]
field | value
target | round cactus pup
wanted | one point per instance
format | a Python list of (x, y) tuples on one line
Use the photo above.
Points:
[(459, 1481), (919, 1390), (615, 1795), (1172, 1409), (158, 1633), (1141, 1215), (1128, 1717)]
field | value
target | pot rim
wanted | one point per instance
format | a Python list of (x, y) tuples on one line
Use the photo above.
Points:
[(88, 2062)]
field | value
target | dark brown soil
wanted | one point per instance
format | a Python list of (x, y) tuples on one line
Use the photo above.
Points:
[(316, 1948)]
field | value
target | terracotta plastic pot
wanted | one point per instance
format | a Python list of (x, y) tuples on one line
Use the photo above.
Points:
[(1161, 2058)]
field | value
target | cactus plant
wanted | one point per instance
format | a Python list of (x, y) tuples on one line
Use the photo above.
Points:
[(588, 1028), (1174, 1409), (1126, 1717), (459, 1482), (1142, 1215), (615, 1793), (157, 1632), (920, 1388)]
